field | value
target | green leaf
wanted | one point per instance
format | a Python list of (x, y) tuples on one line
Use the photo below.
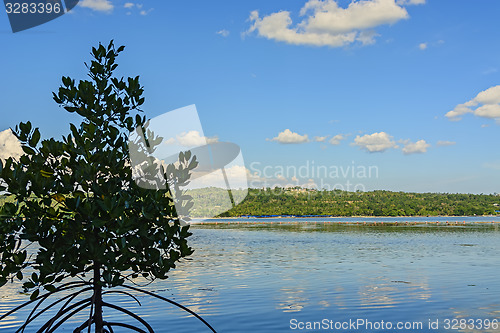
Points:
[(35, 294), (73, 129), (34, 138), (28, 285), (66, 81), (28, 150), (193, 164), (50, 288), (24, 159), (19, 275)]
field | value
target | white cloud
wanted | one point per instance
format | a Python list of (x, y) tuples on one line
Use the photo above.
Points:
[(97, 5), (320, 138), (376, 142), (422, 46), (415, 147), (192, 139), (443, 143), (169, 141), (288, 136), (223, 33), (367, 37), (325, 23), (486, 104), (410, 2), (238, 175), (212, 139), (327, 16), (336, 139), (139, 6), (145, 12), (255, 179), (489, 96), (9, 145), (459, 110), (488, 111)]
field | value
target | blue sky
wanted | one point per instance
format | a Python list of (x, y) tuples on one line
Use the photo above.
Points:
[(378, 77)]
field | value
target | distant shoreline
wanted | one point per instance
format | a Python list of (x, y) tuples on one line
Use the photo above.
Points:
[(442, 220), (299, 204), (339, 217)]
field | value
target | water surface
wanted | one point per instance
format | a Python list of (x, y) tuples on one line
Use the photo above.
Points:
[(261, 278)]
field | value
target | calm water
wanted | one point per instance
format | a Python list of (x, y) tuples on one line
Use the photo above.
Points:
[(261, 278)]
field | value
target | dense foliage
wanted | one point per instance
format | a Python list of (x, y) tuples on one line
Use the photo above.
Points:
[(76, 201), (302, 202)]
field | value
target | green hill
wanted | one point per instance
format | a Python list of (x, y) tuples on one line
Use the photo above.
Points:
[(300, 202)]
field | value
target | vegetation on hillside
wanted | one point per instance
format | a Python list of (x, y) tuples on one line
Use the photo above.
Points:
[(300, 202)]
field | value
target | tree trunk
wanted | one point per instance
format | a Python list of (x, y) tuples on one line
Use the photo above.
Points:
[(98, 322)]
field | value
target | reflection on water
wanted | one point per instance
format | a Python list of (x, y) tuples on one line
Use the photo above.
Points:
[(255, 278), (291, 300)]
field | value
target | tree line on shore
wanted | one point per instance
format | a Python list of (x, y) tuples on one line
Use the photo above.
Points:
[(301, 202)]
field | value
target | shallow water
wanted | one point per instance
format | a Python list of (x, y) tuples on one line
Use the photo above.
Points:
[(269, 278)]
